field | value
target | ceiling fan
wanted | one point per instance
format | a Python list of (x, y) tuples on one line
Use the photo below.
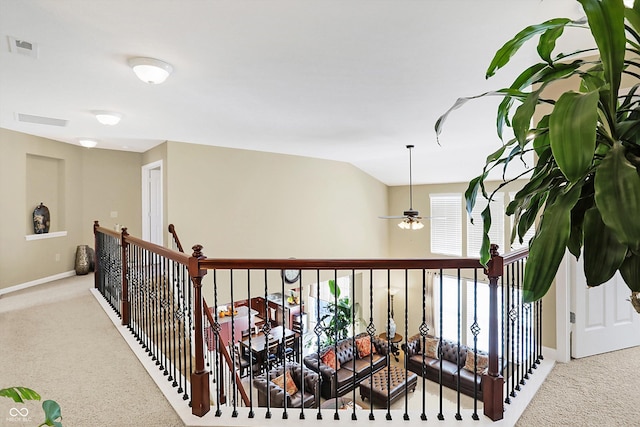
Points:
[(410, 218)]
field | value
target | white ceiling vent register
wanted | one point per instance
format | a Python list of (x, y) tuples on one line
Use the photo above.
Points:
[(23, 47), (40, 120)]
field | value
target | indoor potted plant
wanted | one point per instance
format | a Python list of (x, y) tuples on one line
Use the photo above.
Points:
[(586, 181)]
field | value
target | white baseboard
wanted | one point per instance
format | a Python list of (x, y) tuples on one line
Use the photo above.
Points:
[(37, 282)]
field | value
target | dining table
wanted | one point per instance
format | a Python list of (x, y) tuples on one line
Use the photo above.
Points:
[(258, 341)]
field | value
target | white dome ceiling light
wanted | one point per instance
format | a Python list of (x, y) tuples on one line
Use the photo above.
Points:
[(150, 70), (109, 118), (88, 142)]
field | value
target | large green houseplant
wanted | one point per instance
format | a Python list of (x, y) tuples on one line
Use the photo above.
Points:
[(338, 319), (586, 180)]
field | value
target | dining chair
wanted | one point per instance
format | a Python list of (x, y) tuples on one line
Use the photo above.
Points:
[(289, 348), (272, 352)]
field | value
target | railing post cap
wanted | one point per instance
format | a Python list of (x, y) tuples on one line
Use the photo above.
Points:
[(197, 251)]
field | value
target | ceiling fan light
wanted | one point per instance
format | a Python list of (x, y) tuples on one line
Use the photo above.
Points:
[(109, 118), (150, 70), (404, 225), (417, 225)]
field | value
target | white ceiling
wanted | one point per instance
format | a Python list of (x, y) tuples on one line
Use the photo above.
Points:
[(349, 80)]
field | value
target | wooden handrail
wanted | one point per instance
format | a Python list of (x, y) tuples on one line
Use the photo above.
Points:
[(227, 357), (172, 230), (160, 250), (339, 264)]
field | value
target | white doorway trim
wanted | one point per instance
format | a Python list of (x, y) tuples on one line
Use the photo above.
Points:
[(563, 310), (152, 200)]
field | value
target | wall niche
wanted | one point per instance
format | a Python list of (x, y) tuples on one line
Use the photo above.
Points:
[(46, 184)]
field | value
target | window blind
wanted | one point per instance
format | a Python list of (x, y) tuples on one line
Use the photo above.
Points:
[(446, 224), (496, 232)]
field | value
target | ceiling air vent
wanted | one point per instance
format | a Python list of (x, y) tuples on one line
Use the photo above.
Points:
[(40, 120), (23, 47)]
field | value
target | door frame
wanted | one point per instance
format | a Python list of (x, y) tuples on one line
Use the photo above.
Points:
[(146, 205)]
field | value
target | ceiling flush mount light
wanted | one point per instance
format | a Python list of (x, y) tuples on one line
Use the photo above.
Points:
[(88, 142), (107, 117), (150, 70)]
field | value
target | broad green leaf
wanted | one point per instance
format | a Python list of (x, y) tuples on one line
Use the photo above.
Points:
[(52, 413), (528, 219), (572, 132), (541, 143), (547, 248), (504, 54), (606, 21), (461, 101), (522, 117), (333, 289), (547, 42), (633, 17), (603, 254), (19, 394), (577, 219), (630, 271), (485, 254), (617, 195), (471, 194)]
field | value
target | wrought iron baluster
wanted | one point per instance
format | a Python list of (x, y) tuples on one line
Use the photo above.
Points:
[(406, 337), (458, 403), (251, 367), (475, 331), (424, 330), (440, 414)]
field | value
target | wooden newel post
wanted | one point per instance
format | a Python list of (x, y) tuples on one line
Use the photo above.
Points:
[(96, 268), (125, 304), (200, 400), (493, 382)]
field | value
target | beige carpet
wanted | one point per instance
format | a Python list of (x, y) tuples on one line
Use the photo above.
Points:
[(57, 340), (601, 390)]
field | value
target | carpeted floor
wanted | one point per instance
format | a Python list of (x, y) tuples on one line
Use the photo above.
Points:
[(57, 340), (602, 390)]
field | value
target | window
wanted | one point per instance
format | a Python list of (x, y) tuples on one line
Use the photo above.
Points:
[(527, 236), (450, 311), (446, 224), (475, 230), (343, 283)]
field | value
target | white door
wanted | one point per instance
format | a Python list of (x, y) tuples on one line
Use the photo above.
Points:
[(152, 221), (604, 318)]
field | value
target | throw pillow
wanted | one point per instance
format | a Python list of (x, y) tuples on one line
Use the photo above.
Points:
[(280, 381), (329, 358), (364, 347), (431, 347), (482, 364)]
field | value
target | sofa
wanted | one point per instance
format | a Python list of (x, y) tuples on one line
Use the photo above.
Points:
[(351, 369), (450, 364), (276, 389)]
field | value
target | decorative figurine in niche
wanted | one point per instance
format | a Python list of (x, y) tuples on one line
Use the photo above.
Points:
[(41, 219)]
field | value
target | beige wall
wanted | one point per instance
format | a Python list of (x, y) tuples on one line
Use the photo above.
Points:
[(236, 203), (89, 184), (248, 204)]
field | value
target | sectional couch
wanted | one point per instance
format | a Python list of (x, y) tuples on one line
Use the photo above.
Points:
[(351, 369), (451, 363)]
